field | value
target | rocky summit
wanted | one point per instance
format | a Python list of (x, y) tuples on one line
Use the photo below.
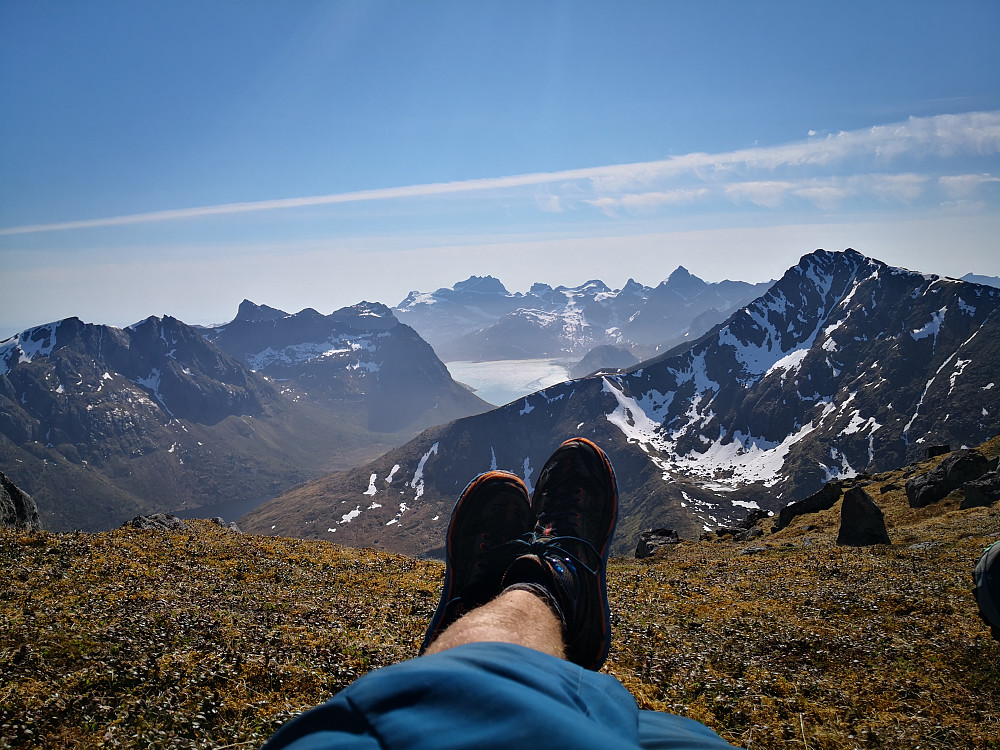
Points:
[(845, 366)]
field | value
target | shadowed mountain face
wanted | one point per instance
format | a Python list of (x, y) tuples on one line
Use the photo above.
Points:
[(359, 354), (479, 319), (98, 423), (845, 365)]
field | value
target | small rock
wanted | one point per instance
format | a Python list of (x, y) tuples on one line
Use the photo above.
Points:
[(933, 451), (653, 540)]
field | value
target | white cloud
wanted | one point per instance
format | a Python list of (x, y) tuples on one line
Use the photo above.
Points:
[(827, 197), (638, 203), (661, 182), (767, 193), (964, 186)]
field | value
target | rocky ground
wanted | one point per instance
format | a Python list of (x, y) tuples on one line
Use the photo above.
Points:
[(211, 639)]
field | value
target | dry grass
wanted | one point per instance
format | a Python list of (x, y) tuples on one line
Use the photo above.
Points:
[(211, 639)]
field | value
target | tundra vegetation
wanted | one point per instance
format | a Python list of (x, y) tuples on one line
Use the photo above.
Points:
[(212, 639)]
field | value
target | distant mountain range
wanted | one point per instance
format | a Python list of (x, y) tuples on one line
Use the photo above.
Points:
[(973, 278), (478, 319), (845, 365), (99, 424)]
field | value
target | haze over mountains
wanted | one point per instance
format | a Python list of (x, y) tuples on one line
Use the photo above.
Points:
[(845, 365), (478, 319)]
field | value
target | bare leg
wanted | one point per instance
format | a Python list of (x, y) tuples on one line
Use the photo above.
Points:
[(517, 617)]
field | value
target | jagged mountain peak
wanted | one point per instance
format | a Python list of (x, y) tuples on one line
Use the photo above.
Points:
[(366, 316), (250, 311), (681, 282), (679, 274), (481, 285)]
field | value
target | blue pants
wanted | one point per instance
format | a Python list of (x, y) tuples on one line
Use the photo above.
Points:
[(483, 696)]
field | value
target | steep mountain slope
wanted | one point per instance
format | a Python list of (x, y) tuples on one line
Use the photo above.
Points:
[(357, 355), (99, 423), (480, 319), (845, 365)]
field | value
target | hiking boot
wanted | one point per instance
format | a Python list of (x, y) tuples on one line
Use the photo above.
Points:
[(576, 501), (485, 534)]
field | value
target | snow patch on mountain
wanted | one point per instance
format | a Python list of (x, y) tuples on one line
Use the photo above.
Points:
[(417, 482), (295, 354), (35, 342), (932, 327), (152, 383)]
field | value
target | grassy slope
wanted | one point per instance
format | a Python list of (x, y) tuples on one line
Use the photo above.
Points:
[(212, 639)]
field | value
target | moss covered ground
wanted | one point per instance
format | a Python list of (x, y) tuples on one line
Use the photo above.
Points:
[(212, 639)]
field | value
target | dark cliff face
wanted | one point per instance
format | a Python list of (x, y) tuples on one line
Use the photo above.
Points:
[(17, 509), (845, 365)]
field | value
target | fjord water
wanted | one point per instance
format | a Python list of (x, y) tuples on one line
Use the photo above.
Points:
[(501, 381)]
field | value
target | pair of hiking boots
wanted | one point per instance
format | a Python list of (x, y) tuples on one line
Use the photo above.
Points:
[(554, 543)]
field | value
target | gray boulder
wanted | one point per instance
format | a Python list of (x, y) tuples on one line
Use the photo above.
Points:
[(157, 522), (953, 472), (983, 491), (654, 540), (861, 520), (17, 509), (825, 499)]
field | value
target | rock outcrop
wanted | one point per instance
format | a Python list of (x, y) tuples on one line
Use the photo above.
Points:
[(953, 472), (157, 522), (825, 499), (17, 509), (861, 520), (983, 491)]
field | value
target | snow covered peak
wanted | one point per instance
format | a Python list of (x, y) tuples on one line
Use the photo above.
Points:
[(25, 346)]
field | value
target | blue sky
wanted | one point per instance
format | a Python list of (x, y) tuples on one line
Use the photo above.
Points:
[(176, 157)]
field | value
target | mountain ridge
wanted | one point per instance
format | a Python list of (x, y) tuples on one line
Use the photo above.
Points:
[(845, 365), (478, 319), (99, 424)]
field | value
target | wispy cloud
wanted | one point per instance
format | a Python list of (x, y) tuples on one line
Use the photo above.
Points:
[(742, 175)]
